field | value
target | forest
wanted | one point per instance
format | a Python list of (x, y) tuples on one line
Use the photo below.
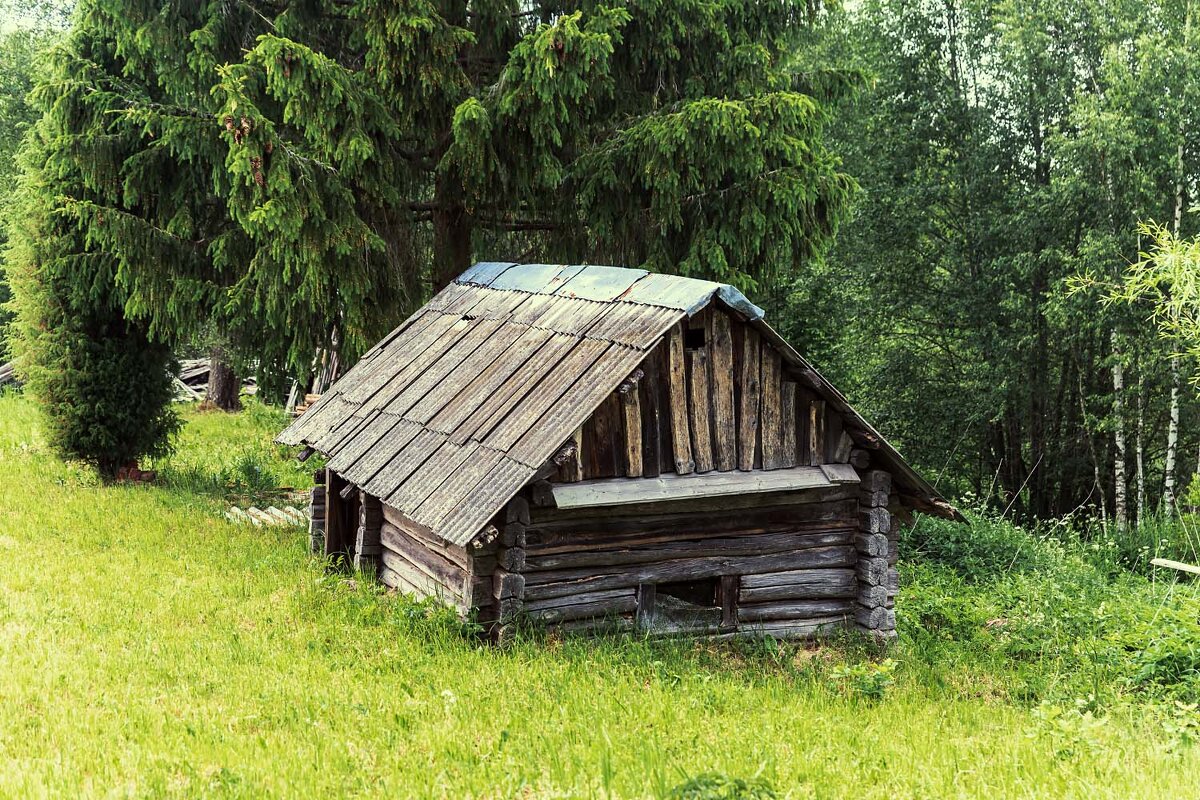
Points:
[(977, 218)]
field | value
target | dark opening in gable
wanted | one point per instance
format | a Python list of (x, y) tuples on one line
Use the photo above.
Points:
[(693, 339)]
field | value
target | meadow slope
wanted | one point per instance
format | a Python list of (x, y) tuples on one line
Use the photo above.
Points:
[(149, 648)]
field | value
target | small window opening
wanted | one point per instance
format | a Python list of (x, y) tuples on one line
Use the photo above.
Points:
[(680, 605), (693, 339)]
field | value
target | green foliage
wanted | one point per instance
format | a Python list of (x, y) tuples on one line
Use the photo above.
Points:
[(1002, 149), (712, 786), (103, 386), (867, 679)]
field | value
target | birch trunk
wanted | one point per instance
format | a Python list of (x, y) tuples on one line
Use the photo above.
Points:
[(1120, 510), (1172, 441), (1140, 454)]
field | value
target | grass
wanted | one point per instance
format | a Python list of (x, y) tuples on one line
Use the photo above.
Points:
[(151, 649)]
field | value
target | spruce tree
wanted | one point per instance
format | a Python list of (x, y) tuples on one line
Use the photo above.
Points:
[(295, 173), (104, 386)]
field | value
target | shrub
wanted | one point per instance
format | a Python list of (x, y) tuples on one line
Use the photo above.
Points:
[(713, 786)]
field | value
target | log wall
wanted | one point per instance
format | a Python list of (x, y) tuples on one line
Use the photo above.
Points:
[(783, 564), (712, 396)]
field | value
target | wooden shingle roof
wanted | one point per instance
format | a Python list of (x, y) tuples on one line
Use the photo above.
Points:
[(451, 414)]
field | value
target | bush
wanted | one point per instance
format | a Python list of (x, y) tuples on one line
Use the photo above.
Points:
[(103, 387)]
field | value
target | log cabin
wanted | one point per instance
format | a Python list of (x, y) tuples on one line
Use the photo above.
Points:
[(588, 446)]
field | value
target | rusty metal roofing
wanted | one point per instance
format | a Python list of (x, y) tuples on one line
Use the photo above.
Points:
[(456, 410)]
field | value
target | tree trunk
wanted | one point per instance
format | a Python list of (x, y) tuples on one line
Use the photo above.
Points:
[(1139, 456), (1172, 441), (1120, 510), (223, 384), (451, 237)]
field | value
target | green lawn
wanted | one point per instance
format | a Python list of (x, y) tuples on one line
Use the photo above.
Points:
[(148, 648)]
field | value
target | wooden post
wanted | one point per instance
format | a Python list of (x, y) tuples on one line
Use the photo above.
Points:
[(367, 546), (316, 514), (875, 543)]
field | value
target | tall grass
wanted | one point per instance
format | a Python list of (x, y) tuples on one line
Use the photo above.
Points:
[(149, 648)]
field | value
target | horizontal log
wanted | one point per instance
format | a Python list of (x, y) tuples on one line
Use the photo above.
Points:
[(793, 610), (585, 597), (877, 480), (517, 510), (400, 574), (872, 571), (873, 499), (805, 584), (541, 585), (431, 540), (431, 563), (609, 607), (511, 559), (875, 520), (875, 619), (507, 585), (872, 596), (513, 535), (731, 546), (789, 629), (611, 530), (873, 545)]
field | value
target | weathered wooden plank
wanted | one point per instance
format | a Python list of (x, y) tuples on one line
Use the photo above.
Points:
[(586, 597), (721, 380), (709, 505), (670, 487), (622, 603), (795, 609), (841, 451), (681, 441), (733, 546), (750, 386), (602, 440), (456, 554), (557, 583), (772, 418), (572, 468), (456, 485), (789, 629), (631, 414), (787, 413), (700, 410), (833, 437), (627, 533), (810, 584), (650, 400), (436, 566), (816, 432)]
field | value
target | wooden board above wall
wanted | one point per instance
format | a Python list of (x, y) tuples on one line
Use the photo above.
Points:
[(712, 397)]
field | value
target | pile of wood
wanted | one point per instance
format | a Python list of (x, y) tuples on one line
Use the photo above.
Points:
[(288, 515), (192, 382), (8, 375), (309, 399)]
